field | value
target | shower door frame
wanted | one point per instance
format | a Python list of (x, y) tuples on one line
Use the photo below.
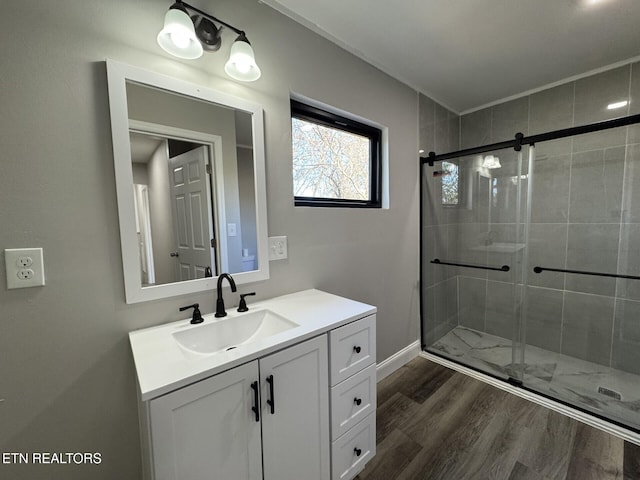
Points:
[(519, 338)]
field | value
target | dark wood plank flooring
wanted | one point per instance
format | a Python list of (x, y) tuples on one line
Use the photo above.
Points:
[(434, 423)]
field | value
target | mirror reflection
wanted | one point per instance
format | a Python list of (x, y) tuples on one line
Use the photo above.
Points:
[(193, 186)]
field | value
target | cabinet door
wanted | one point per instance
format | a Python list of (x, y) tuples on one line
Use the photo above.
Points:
[(208, 430), (296, 433)]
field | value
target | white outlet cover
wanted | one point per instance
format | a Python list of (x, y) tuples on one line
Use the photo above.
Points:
[(278, 248), (24, 267)]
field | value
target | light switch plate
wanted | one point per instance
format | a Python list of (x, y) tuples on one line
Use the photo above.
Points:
[(24, 266), (277, 248)]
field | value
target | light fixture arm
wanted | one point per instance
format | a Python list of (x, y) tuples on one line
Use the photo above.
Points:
[(210, 17)]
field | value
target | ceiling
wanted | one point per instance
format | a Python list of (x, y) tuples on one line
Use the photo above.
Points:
[(143, 146), (470, 53)]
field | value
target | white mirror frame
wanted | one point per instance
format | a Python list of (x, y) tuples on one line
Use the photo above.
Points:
[(117, 76)]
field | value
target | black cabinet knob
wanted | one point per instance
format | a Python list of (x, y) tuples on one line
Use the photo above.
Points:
[(357, 451), (357, 401), (357, 349)]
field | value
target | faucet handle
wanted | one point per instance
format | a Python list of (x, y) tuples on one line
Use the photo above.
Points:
[(197, 316), (242, 307)]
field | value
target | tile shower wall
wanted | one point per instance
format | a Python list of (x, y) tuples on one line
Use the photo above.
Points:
[(585, 216), (440, 132)]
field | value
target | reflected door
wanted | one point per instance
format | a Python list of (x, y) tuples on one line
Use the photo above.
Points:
[(192, 214)]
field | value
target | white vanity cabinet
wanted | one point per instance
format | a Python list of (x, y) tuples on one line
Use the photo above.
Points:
[(285, 404), (210, 429), (207, 427), (295, 415), (353, 397)]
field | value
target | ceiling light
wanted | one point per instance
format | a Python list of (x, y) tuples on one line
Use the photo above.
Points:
[(188, 37), (587, 3), (613, 106)]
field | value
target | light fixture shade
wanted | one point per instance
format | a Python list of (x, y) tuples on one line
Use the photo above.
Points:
[(178, 36), (491, 161), (242, 64)]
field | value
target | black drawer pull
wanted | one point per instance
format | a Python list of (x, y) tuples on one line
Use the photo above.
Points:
[(357, 451), (357, 349), (271, 401), (357, 401), (256, 401)]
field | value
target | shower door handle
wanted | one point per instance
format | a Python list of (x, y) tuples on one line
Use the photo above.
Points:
[(583, 272), (503, 268)]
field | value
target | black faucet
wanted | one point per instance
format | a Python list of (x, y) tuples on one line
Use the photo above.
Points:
[(197, 316), (242, 307), (220, 311)]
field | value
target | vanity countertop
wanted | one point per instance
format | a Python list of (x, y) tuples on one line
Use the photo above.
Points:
[(163, 366)]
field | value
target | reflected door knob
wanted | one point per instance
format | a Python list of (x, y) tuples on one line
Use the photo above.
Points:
[(174, 254)]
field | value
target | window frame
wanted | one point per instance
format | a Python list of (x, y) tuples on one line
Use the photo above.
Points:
[(310, 113)]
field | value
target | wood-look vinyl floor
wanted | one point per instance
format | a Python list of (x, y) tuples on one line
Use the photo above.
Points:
[(434, 423)]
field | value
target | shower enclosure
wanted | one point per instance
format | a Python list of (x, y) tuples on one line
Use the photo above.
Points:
[(530, 264)]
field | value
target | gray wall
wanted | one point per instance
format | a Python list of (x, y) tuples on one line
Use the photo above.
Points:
[(246, 188), (66, 372), (161, 219), (585, 196)]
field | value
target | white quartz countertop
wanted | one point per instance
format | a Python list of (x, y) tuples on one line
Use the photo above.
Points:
[(163, 366)]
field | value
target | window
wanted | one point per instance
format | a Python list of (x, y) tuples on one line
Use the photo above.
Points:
[(336, 160), (450, 183)]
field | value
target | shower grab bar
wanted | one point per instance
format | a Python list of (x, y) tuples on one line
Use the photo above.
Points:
[(503, 268), (582, 272)]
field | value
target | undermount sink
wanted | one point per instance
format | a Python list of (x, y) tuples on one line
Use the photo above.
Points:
[(225, 334)]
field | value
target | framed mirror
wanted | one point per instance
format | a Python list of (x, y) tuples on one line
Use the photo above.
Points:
[(190, 182)]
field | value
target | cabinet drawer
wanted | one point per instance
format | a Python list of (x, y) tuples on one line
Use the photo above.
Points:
[(352, 400), (352, 348), (354, 449)]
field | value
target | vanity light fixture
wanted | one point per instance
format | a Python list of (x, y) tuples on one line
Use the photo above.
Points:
[(491, 161), (188, 37)]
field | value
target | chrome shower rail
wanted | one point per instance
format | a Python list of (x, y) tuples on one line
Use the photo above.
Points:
[(583, 272), (503, 268)]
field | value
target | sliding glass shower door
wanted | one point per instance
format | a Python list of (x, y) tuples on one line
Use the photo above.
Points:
[(582, 316), (473, 252), (531, 268)]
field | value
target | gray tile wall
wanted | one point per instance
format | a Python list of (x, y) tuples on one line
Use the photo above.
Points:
[(585, 215), (439, 131)]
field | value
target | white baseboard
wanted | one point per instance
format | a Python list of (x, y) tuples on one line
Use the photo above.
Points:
[(397, 360), (583, 417)]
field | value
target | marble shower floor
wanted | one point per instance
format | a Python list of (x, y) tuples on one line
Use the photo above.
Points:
[(566, 378)]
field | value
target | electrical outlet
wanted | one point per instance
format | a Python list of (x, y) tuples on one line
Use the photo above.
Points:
[(277, 248), (25, 267), (24, 261), (25, 274)]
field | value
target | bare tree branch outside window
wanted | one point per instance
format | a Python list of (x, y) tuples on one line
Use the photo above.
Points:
[(329, 163), (450, 182)]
